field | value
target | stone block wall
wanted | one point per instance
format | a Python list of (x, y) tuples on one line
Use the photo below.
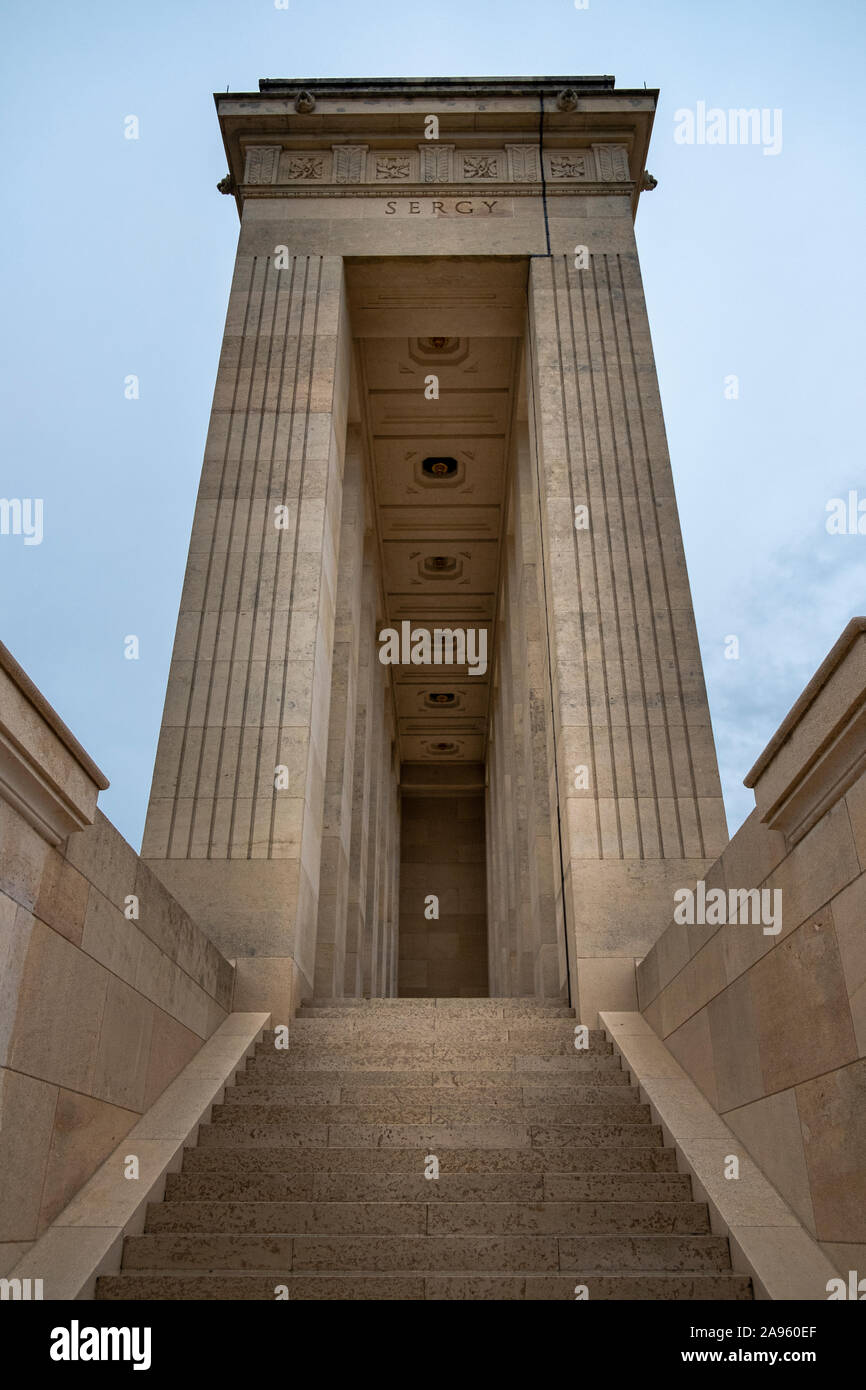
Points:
[(772, 1027), (442, 854), (99, 1010)]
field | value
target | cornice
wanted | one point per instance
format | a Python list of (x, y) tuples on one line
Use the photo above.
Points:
[(360, 122), (624, 188), (445, 86)]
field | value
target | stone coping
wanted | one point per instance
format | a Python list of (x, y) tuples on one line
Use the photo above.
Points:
[(471, 86), (86, 1239), (34, 695), (767, 1239), (45, 774), (806, 698), (819, 749)]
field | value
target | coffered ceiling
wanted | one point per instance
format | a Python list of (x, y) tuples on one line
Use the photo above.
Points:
[(438, 470)]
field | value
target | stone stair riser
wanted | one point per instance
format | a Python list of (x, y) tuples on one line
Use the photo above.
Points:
[(575, 1159), (243, 1134), (424, 1112), (419, 1218), (598, 1253), (399, 1187)]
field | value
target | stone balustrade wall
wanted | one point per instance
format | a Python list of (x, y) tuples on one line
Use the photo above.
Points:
[(107, 987), (772, 1024)]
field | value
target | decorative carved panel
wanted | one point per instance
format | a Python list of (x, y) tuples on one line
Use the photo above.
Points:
[(523, 163), (482, 166), (611, 163), (262, 164), (392, 168), (435, 162), (304, 166), (567, 166), (349, 163)]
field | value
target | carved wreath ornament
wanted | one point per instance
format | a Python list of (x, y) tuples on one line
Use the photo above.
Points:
[(482, 166), (392, 167)]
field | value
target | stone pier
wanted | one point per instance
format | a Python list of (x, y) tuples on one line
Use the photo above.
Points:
[(437, 406)]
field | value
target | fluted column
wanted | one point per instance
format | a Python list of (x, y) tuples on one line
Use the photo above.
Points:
[(628, 693), (240, 771)]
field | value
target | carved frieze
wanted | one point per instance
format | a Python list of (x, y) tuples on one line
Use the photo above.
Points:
[(435, 162), (567, 166), (392, 168), (481, 166), (611, 163), (349, 163), (305, 167), (262, 164), (523, 163)]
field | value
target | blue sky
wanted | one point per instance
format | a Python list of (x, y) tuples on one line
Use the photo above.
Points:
[(117, 258)]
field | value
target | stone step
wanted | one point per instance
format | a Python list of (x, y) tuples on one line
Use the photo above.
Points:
[(562, 1064), (396, 1016), (342, 1253), (348, 1054), (662, 1185), (469, 1008), (312, 1170), (252, 1090), (433, 1137), (721, 1285), (413, 1187), (536, 1033), (434, 1218), (241, 1109), (549, 1159), (568, 1218), (364, 1025), (287, 1218), (602, 1068), (232, 1159)]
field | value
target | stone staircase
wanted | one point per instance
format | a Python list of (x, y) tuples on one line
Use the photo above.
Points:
[(310, 1177)]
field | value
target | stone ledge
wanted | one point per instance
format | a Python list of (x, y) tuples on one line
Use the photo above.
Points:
[(767, 1239), (819, 749), (623, 188), (86, 1239), (45, 774)]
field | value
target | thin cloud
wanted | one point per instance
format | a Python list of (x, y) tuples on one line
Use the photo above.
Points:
[(787, 612)]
